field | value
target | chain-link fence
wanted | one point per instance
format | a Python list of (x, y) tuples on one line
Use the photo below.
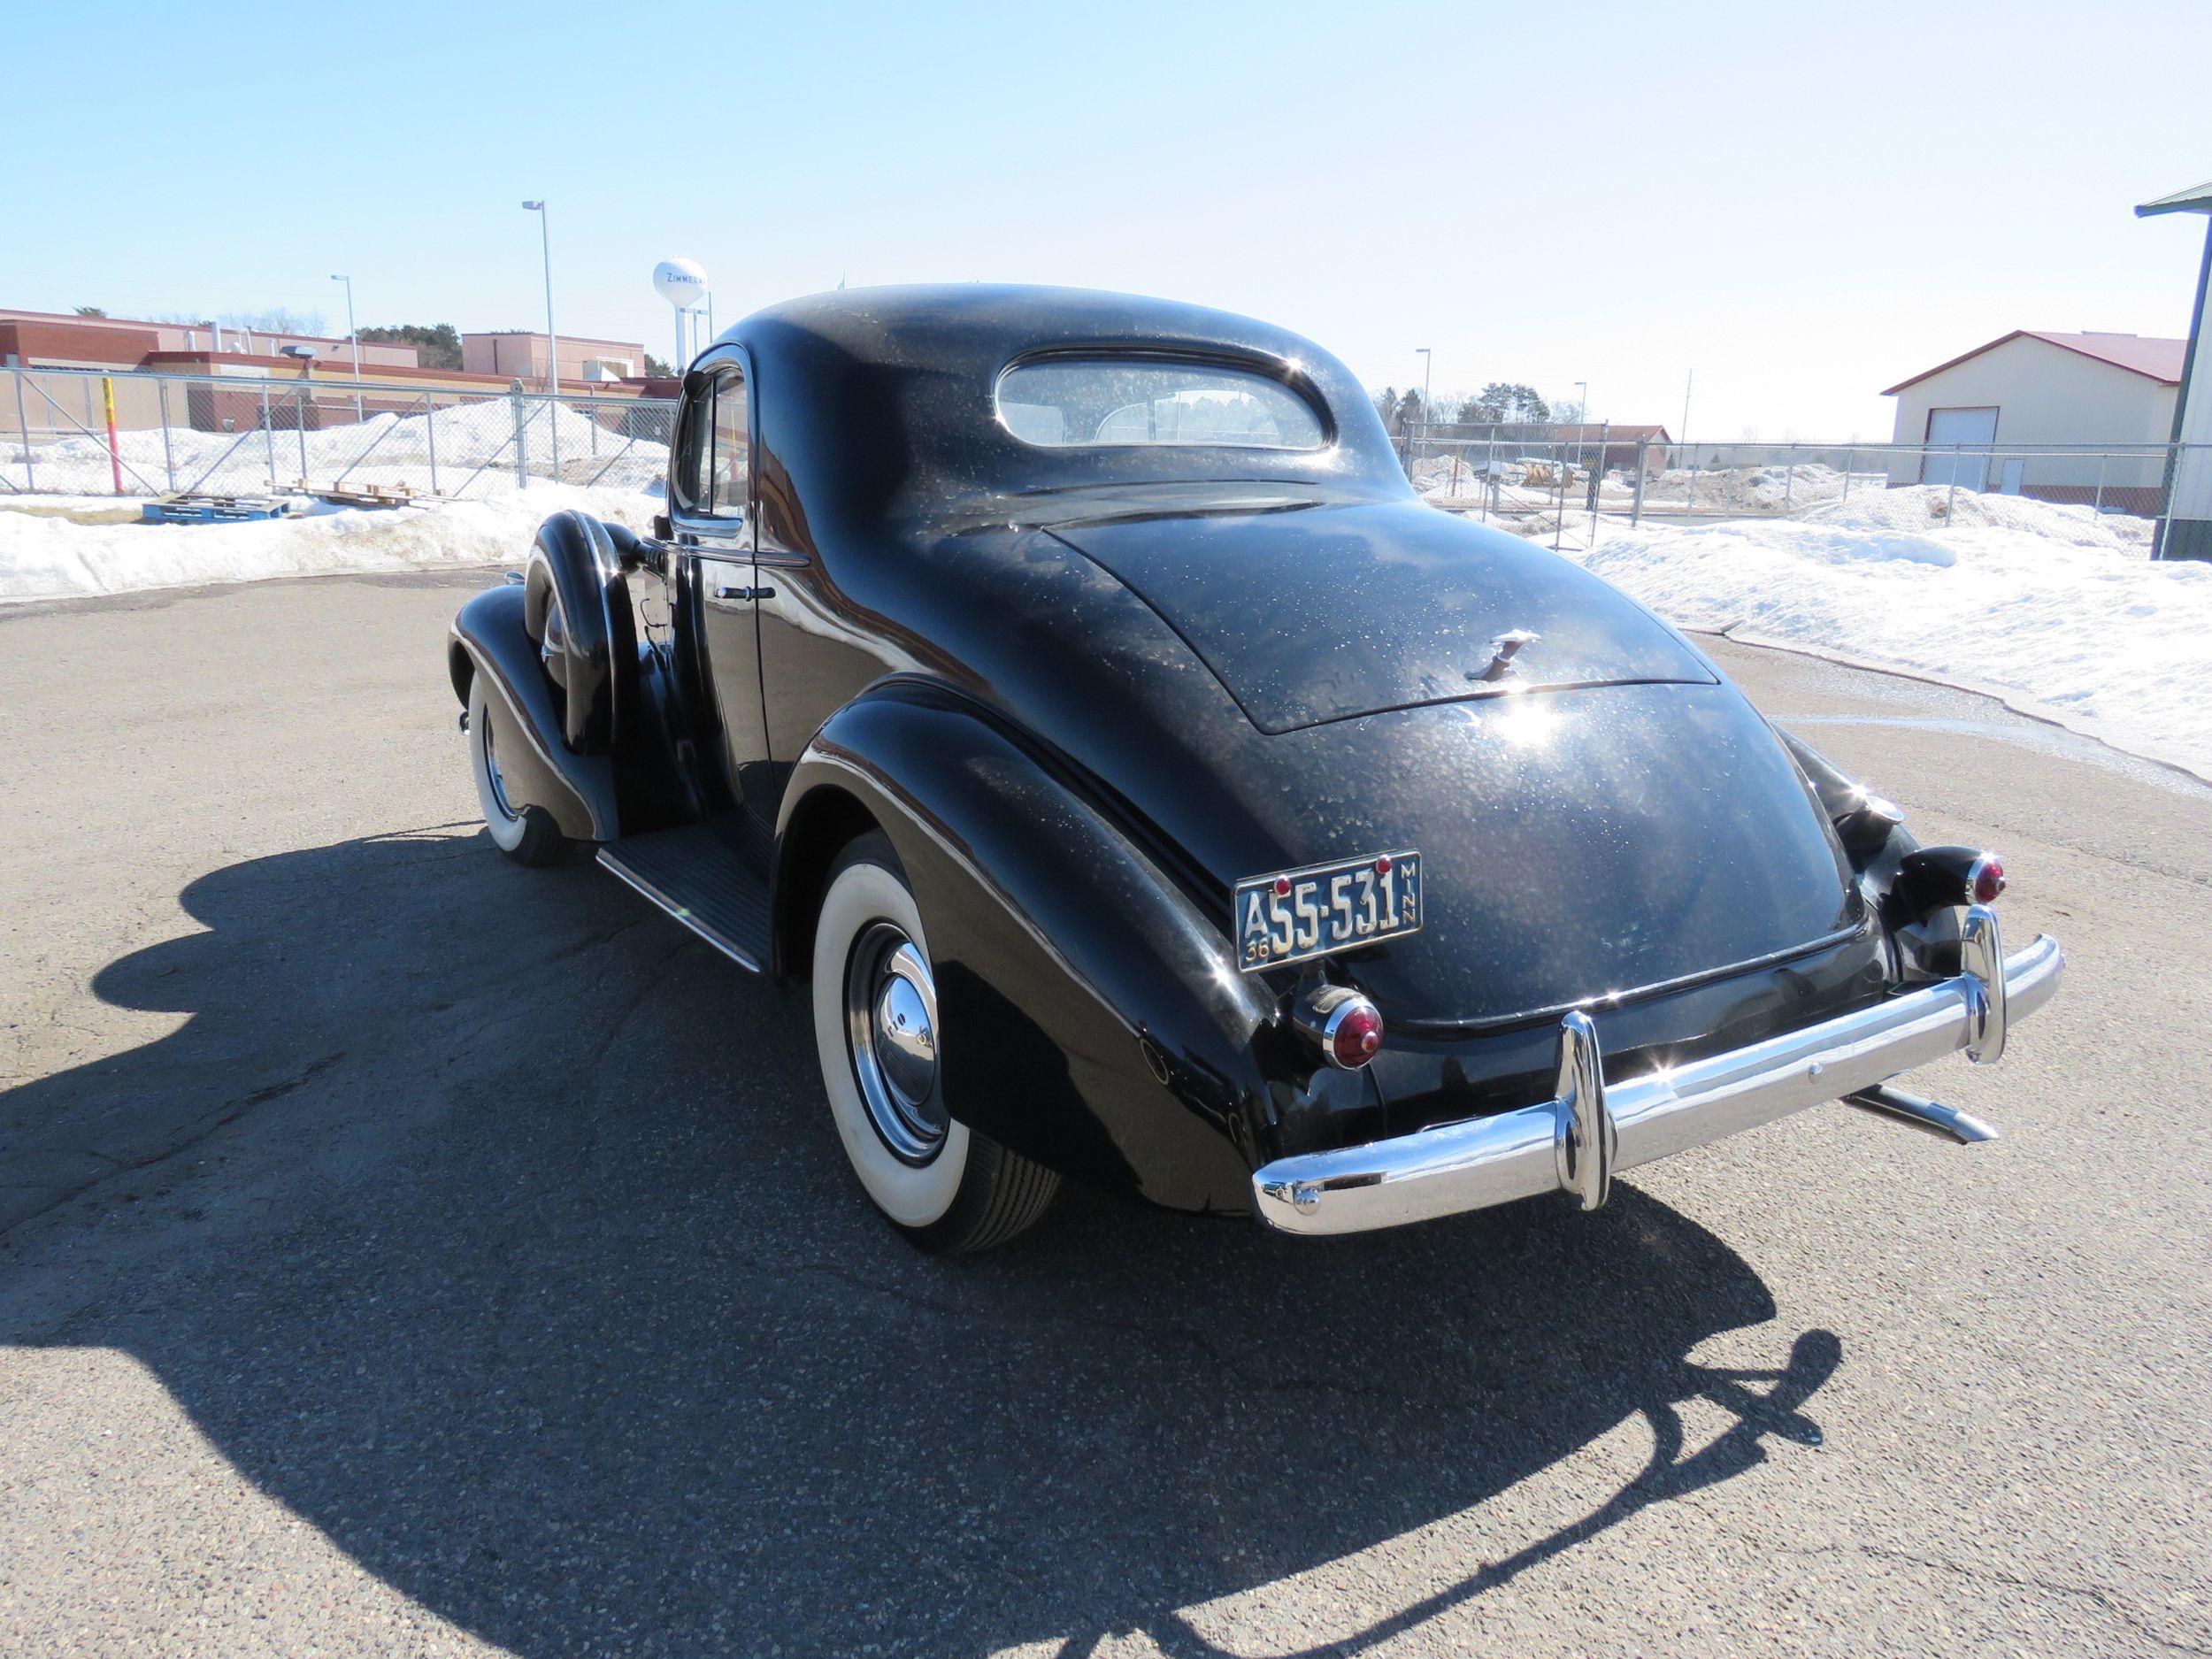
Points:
[(232, 435), (1566, 491)]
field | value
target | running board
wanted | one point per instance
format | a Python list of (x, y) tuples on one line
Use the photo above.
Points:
[(700, 876)]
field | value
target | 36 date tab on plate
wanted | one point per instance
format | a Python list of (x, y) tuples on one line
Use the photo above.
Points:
[(1293, 915)]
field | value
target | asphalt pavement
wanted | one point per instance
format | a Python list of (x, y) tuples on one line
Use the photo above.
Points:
[(403, 1252)]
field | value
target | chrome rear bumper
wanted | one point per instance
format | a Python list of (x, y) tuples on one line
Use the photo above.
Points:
[(1590, 1129)]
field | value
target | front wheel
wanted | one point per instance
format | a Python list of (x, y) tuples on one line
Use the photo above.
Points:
[(526, 834), (946, 1187)]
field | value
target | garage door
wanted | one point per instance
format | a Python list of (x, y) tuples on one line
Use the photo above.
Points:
[(1977, 428)]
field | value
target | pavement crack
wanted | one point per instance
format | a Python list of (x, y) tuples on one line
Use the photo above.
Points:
[(206, 1125), (2110, 1600)]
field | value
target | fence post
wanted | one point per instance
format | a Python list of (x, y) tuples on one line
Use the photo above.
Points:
[(2099, 505), (1689, 502), (268, 437), (115, 452), (23, 426), (1597, 474), (430, 436), (1636, 507), (1951, 495), (168, 455), (1850, 458), (1789, 479), (522, 470), (1559, 473), (299, 419)]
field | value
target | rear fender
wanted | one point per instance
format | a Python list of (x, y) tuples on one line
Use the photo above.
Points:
[(491, 642), (1091, 1015)]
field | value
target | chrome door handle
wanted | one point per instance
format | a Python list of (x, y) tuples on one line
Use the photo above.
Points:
[(723, 592)]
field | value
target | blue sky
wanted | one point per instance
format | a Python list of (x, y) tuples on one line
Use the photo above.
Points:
[(1804, 203)]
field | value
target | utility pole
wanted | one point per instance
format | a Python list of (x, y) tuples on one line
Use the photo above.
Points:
[(552, 342), (353, 335), (1428, 364)]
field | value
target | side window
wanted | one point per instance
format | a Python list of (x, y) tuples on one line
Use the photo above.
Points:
[(694, 450), (714, 455), (733, 445)]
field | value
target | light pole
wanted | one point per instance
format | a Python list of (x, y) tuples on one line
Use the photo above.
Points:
[(552, 341), (353, 335)]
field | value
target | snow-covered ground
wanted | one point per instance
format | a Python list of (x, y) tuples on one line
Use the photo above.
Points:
[(55, 547), (2059, 604)]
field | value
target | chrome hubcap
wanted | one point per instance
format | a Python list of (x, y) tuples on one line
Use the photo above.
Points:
[(891, 1029)]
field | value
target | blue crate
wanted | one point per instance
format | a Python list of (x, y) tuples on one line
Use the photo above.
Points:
[(214, 510)]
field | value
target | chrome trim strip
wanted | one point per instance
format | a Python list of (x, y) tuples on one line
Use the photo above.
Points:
[(1518, 1153), (630, 877)]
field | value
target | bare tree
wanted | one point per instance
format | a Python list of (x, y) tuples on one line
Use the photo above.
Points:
[(275, 320)]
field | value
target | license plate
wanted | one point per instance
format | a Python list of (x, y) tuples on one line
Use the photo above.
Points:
[(1296, 914)]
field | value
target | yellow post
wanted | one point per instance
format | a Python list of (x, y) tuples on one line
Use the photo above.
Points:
[(115, 455)]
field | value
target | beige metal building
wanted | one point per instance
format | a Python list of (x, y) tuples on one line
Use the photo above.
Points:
[(2047, 393), (520, 355)]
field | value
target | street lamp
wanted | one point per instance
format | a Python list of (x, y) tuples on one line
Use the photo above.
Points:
[(354, 335), (552, 342)]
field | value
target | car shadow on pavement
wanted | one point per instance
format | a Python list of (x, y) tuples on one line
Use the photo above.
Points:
[(496, 1229)]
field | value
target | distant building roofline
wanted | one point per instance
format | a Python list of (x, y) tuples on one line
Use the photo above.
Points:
[(2153, 356)]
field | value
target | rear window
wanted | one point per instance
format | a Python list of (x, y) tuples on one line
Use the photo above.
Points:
[(1070, 402)]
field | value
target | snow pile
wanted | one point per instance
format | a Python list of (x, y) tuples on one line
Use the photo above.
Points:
[(47, 555), (2050, 602), (1924, 507)]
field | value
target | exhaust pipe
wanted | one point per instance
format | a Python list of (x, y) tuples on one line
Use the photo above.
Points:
[(1947, 1122)]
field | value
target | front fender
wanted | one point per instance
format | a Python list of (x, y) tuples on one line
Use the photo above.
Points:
[(1091, 1017), (490, 640), (576, 564)]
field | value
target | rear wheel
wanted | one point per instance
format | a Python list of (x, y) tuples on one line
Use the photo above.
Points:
[(946, 1187), (527, 835)]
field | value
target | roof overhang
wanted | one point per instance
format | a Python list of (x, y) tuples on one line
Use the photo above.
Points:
[(2196, 199)]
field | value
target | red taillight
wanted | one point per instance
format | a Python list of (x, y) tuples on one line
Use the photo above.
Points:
[(1355, 1034), (1988, 879)]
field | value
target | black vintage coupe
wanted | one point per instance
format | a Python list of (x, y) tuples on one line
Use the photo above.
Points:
[(1070, 691)]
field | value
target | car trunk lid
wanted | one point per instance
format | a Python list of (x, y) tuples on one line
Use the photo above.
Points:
[(1311, 614)]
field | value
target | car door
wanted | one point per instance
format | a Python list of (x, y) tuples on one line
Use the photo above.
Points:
[(710, 510)]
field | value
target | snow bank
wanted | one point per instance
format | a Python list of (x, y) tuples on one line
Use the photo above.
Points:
[(45, 555), (1924, 507), (2054, 602)]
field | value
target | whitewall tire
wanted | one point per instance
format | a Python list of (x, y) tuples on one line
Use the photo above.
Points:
[(946, 1187), (526, 834)]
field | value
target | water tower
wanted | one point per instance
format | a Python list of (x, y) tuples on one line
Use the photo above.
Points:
[(683, 285)]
